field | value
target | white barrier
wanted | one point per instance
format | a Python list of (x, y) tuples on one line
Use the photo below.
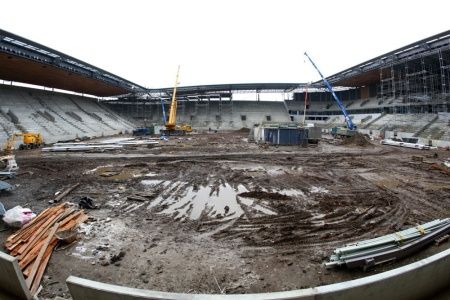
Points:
[(12, 283), (419, 280)]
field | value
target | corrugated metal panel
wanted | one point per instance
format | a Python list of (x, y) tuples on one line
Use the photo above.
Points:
[(288, 136)]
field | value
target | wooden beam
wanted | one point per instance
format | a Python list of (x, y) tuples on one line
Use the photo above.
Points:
[(30, 279)]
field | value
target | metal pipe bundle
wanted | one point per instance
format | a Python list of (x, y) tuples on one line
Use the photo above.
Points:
[(389, 247)]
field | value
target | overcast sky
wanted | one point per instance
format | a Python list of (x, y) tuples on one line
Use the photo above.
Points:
[(223, 41)]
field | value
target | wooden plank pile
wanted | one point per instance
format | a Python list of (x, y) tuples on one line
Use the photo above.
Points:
[(34, 243), (440, 167)]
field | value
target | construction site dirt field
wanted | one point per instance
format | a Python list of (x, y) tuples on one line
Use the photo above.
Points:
[(212, 213)]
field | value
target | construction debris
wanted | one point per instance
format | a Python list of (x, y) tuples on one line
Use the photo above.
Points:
[(7, 174), (405, 144), (65, 193), (137, 198), (9, 163), (34, 243), (113, 144), (4, 186), (86, 202), (417, 158), (2, 209), (440, 167), (368, 253), (18, 216), (142, 197), (81, 148)]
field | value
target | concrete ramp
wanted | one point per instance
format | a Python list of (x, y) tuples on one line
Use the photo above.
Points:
[(12, 283)]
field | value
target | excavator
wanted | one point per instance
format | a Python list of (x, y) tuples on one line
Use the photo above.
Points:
[(30, 140), (171, 126)]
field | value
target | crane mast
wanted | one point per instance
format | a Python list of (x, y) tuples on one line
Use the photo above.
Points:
[(171, 125), (348, 120), (172, 122)]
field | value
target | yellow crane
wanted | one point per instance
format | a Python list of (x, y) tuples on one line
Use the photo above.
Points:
[(171, 124), (30, 140)]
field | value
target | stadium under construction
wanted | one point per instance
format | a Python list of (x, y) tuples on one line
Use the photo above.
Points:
[(256, 197)]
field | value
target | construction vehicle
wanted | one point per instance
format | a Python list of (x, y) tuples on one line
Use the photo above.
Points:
[(141, 131), (8, 163), (348, 131), (171, 125), (30, 140)]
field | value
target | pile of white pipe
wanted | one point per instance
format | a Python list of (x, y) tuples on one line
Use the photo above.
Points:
[(368, 248), (99, 146), (406, 145)]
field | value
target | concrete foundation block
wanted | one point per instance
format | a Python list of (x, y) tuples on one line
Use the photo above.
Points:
[(12, 283)]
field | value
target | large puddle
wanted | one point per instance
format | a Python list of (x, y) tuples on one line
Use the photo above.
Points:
[(187, 202), (184, 201)]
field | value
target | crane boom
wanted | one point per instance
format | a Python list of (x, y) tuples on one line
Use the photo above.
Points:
[(171, 123), (348, 120)]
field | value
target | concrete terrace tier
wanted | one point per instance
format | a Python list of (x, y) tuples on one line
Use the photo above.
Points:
[(57, 116)]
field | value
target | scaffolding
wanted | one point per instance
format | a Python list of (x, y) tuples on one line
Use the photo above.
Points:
[(418, 85)]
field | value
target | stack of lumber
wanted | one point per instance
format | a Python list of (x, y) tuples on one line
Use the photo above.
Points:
[(441, 167), (33, 244)]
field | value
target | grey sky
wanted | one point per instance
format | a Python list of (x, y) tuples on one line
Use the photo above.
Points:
[(225, 41)]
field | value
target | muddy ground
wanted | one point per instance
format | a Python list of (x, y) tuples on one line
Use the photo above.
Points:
[(211, 213)]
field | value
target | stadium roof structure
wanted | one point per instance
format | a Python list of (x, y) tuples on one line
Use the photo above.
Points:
[(228, 88), (25, 61), (369, 71)]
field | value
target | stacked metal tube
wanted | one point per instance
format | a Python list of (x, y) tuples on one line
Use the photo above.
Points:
[(371, 252)]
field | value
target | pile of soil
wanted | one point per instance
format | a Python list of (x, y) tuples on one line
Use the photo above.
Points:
[(264, 195), (358, 139), (243, 130)]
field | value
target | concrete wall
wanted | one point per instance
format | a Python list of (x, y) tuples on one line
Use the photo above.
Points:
[(419, 280), (12, 283)]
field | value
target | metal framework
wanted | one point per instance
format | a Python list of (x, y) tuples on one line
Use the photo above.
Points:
[(218, 91), (424, 79)]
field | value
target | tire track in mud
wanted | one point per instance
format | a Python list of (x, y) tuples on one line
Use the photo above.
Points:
[(337, 217), (355, 207)]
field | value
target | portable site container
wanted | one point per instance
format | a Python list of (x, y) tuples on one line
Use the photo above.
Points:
[(286, 136)]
